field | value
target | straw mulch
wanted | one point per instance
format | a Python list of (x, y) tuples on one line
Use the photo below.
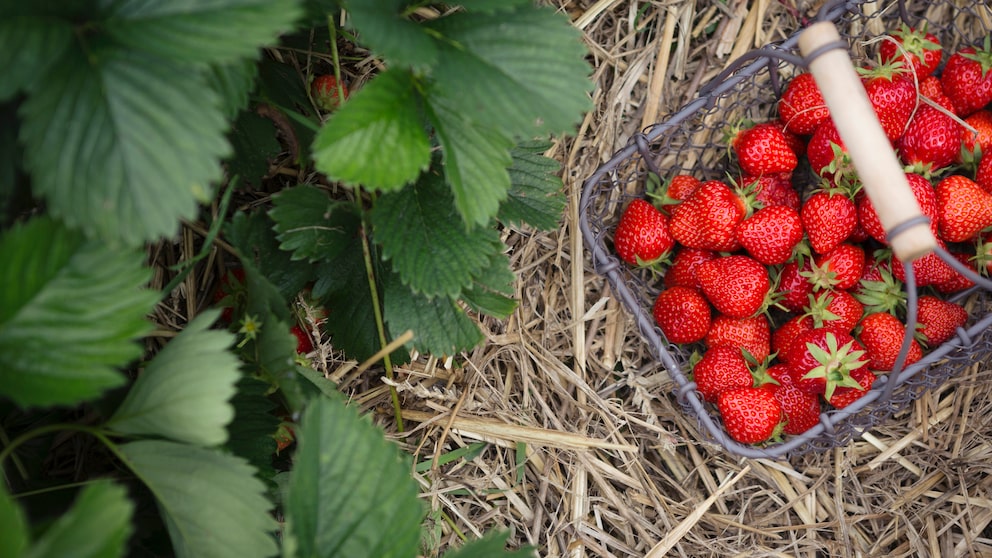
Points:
[(576, 473)]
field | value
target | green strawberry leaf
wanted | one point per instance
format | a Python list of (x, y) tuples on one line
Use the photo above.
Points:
[(309, 224), (234, 82), (384, 29), (271, 357), (422, 235), (28, 45), (249, 435), (15, 538), (493, 287), (184, 393), (487, 302), (86, 297), (199, 32), (255, 240), (135, 148), (493, 545), (439, 325), (377, 138), (522, 72), (210, 501), (97, 525), (254, 142), (350, 492), (536, 196), (492, 5)]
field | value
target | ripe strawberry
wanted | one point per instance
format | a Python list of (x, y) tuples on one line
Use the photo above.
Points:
[(983, 175), (748, 334), (737, 285), (770, 234), (708, 218), (956, 282), (682, 186), (892, 95), (642, 237), (879, 290), (881, 334), (931, 88), (979, 141), (326, 93), (683, 269), (925, 197), (838, 269), (927, 270), (829, 217), (918, 50), (721, 368), (827, 155), (822, 359), (802, 108), (785, 334), (938, 320), (764, 148), (844, 396), (963, 208), (838, 309), (751, 415), (682, 314), (932, 140), (801, 409), (966, 79), (303, 343), (794, 286), (772, 189)]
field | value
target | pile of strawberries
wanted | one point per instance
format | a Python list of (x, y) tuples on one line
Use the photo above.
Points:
[(794, 304)]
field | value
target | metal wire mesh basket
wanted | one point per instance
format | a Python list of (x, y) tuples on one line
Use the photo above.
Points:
[(691, 142)]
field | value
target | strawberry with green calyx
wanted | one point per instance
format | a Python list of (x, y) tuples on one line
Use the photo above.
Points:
[(839, 269), (822, 359), (938, 320), (931, 142), (802, 108), (976, 136), (801, 409), (836, 308), (642, 237), (737, 285), (721, 368), (917, 49), (327, 92), (892, 94), (967, 79), (829, 217), (925, 196), (771, 234), (682, 272), (678, 189), (707, 219), (882, 335), (772, 189), (750, 415), (682, 314), (829, 158), (792, 283), (763, 149), (748, 334), (844, 396), (963, 208), (879, 291)]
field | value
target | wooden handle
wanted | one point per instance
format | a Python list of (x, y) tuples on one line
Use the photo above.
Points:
[(871, 152)]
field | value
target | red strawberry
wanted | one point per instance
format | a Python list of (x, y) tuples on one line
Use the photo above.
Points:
[(839, 269), (822, 359), (835, 308), (682, 314), (784, 335), (325, 92), (931, 88), (918, 50), (963, 207), (683, 269), (829, 217), (682, 186), (939, 319), (979, 141), (708, 218), (892, 95), (956, 282), (844, 396), (772, 189), (794, 286), (748, 334), (771, 234), (925, 197), (764, 148), (737, 286), (801, 409), (750, 415), (721, 368), (879, 290), (642, 237), (927, 270), (827, 156), (881, 334), (932, 140), (802, 108), (966, 79), (983, 175), (303, 343)]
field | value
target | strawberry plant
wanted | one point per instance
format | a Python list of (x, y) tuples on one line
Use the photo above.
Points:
[(123, 120)]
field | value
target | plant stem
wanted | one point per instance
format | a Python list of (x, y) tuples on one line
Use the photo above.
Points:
[(48, 428), (332, 28), (5, 440)]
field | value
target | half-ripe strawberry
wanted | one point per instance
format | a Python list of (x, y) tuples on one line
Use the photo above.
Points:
[(642, 237), (925, 197), (325, 90), (785, 334), (721, 368), (822, 359), (983, 175), (967, 79), (682, 272), (919, 51), (844, 396), (963, 208), (932, 140), (801, 409), (747, 334), (802, 108), (835, 308), (793, 286), (978, 141), (881, 334), (764, 148), (771, 234), (839, 269), (751, 415), (938, 320), (683, 314), (772, 189), (892, 95), (737, 285), (708, 218), (829, 217)]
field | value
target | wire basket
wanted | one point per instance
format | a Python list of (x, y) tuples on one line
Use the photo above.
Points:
[(691, 142)]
